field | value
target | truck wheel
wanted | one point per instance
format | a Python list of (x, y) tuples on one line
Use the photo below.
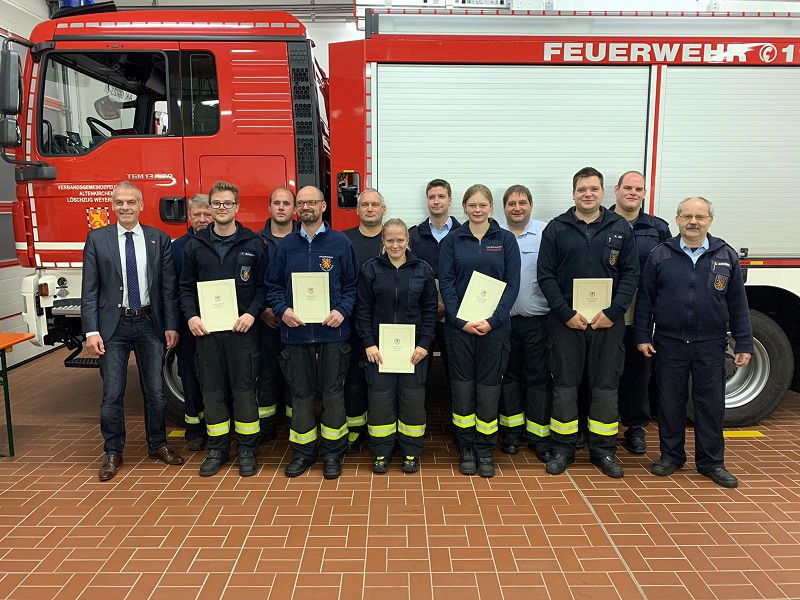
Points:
[(173, 390), (752, 393)]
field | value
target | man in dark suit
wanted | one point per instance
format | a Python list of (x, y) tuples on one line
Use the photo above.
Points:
[(129, 302)]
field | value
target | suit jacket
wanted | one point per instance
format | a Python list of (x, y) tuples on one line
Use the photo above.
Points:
[(101, 289)]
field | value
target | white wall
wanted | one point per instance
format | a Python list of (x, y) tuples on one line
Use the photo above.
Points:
[(20, 16), (327, 33)]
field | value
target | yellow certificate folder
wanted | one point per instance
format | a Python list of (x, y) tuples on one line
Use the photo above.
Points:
[(590, 296), (482, 297), (311, 296), (396, 343), (218, 307)]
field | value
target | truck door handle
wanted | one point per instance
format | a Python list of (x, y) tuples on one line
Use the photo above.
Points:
[(172, 209)]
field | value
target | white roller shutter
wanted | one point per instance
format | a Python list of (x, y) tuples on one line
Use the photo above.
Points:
[(732, 135), (501, 125)]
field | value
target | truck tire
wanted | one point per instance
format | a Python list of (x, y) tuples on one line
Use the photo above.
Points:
[(173, 390), (752, 393)]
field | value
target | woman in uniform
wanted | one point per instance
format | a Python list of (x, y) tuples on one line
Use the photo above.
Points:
[(478, 349), (399, 288)]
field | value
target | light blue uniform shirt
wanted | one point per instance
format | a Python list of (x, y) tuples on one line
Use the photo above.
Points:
[(695, 254), (530, 300), (321, 229), (439, 234)]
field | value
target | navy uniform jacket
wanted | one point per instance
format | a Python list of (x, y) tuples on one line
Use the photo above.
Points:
[(406, 295), (693, 302), (424, 245), (566, 254), (650, 231), (329, 251), (495, 255), (246, 261)]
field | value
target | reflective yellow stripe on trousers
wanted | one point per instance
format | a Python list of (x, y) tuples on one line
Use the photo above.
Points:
[(512, 420), (536, 429), (382, 430), (564, 428), (247, 428), (358, 421), (411, 430), (603, 428), (486, 428), (303, 438), (267, 411), (464, 421), (333, 434), (218, 428)]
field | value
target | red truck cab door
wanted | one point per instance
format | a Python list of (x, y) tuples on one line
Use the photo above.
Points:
[(239, 124), (107, 112)]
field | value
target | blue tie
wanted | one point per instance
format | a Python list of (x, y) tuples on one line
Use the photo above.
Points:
[(134, 301)]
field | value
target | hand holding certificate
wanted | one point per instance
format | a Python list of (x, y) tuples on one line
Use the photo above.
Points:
[(219, 310), (481, 298), (311, 299), (396, 344), (590, 296)]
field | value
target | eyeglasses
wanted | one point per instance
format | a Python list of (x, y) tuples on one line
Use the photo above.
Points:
[(312, 203), (698, 218), (226, 204)]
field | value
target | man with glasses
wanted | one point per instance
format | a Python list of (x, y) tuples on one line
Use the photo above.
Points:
[(692, 291), (315, 348), (227, 250)]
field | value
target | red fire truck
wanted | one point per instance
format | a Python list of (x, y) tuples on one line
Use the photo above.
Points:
[(174, 99)]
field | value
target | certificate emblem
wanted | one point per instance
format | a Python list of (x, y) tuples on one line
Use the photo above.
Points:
[(310, 291), (244, 273), (326, 263), (720, 282), (612, 260)]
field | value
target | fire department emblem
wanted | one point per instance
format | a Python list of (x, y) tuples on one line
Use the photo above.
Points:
[(97, 217), (612, 260), (720, 282), (244, 273), (396, 341), (326, 263), (483, 293), (217, 298), (310, 291)]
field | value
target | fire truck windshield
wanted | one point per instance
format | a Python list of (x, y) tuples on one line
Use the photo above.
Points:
[(90, 97)]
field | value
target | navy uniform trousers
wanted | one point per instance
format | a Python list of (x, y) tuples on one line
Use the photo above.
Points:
[(705, 362)]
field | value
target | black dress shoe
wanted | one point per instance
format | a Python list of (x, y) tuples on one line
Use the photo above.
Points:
[(608, 465), (248, 465), (298, 466), (580, 441), (486, 467), (354, 443), (213, 462), (542, 451), (166, 455), (509, 446), (110, 465), (636, 445), (196, 444), (332, 468), (468, 466), (722, 477), (558, 463), (663, 467)]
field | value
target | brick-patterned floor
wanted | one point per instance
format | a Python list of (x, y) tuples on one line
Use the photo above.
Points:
[(163, 532)]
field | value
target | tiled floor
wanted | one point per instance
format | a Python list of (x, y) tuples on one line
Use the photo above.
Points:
[(163, 532)]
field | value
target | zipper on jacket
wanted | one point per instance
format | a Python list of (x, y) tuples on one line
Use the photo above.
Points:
[(396, 291)]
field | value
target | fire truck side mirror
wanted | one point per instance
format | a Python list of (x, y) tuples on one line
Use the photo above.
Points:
[(10, 83), (348, 183), (10, 135)]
